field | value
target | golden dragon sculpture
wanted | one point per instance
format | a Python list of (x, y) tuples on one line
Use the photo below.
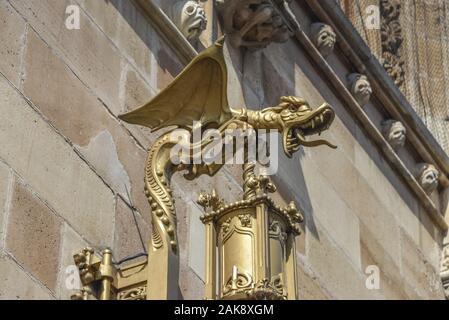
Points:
[(199, 94)]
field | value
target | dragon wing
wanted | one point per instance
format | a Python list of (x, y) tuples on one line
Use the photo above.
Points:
[(198, 93)]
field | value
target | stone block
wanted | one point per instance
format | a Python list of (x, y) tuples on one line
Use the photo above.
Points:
[(12, 38), (373, 254), (128, 29), (53, 169), (127, 240), (190, 285), (309, 286), (16, 284), (343, 280), (169, 66), (421, 279), (430, 240), (5, 177), (33, 235), (321, 202), (68, 276), (106, 145), (87, 51), (197, 245)]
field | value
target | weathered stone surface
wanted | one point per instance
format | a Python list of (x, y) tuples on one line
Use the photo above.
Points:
[(421, 280), (68, 276), (169, 67), (309, 286), (127, 28), (53, 169), (430, 240), (197, 236), (190, 284), (12, 38), (33, 235), (373, 254), (83, 119), (127, 241), (350, 184), (342, 278), (191, 287), (87, 51), (16, 284), (5, 177), (136, 91), (330, 209)]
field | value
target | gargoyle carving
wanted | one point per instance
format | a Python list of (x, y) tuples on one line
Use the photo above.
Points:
[(190, 18), (199, 94), (254, 24), (323, 37), (360, 88), (395, 133), (428, 176)]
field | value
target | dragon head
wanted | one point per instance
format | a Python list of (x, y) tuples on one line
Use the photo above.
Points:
[(296, 120)]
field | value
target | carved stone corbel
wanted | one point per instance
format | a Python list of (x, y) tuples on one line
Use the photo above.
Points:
[(395, 133), (427, 176), (360, 88), (254, 24), (190, 18), (324, 37)]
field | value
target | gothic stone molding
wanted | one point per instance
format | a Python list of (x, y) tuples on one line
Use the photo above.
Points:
[(395, 133), (253, 24), (392, 39), (324, 37)]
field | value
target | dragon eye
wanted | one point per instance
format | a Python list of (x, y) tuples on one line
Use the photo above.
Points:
[(303, 108)]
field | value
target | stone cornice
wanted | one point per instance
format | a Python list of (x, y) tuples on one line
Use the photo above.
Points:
[(385, 90)]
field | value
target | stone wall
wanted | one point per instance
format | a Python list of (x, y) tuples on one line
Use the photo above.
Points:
[(71, 173)]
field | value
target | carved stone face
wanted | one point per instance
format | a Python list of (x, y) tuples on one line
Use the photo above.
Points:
[(324, 38), (190, 18), (395, 132), (360, 88), (427, 176), (253, 24)]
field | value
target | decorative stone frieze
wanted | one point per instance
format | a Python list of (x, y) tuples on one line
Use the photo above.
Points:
[(190, 18), (324, 37), (395, 133), (392, 39), (360, 88), (254, 24), (427, 176)]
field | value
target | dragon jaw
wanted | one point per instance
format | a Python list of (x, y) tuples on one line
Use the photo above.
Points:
[(306, 122)]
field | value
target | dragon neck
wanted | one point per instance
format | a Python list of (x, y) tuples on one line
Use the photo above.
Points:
[(158, 172), (262, 119)]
